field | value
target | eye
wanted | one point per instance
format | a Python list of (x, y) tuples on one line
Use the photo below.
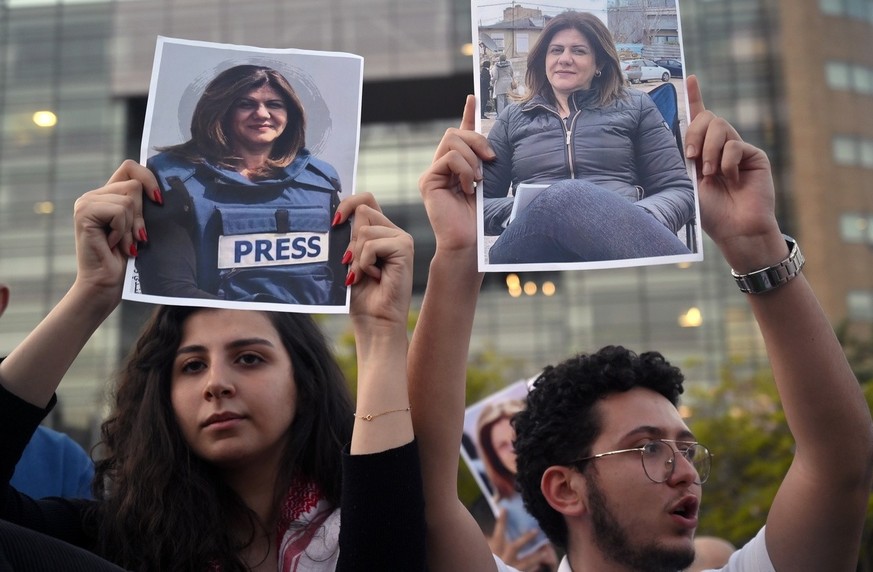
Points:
[(652, 448), (250, 359), (193, 366), (245, 104), (580, 51), (556, 49), (276, 105)]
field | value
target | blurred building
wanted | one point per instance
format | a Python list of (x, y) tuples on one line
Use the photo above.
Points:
[(795, 76)]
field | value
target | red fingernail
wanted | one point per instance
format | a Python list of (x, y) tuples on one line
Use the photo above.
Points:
[(133, 250), (336, 219), (143, 237), (350, 278), (159, 198), (347, 257)]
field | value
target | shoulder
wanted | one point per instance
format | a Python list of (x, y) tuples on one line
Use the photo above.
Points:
[(168, 164), (323, 166), (752, 557)]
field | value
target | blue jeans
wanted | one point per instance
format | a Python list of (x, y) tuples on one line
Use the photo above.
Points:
[(577, 221)]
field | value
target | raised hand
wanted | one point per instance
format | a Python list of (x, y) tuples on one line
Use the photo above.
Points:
[(737, 200), (447, 186), (542, 559), (379, 258), (109, 224)]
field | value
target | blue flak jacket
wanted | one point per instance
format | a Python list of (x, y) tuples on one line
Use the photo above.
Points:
[(265, 241)]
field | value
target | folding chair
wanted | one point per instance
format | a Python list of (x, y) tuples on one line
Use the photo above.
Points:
[(667, 101)]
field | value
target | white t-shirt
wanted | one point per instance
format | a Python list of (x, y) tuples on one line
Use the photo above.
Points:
[(752, 557)]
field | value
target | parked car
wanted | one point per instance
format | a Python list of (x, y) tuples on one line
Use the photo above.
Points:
[(647, 70), (632, 73), (672, 65)]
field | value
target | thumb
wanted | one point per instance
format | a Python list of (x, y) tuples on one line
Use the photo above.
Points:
[(468, 122), (695, 99)]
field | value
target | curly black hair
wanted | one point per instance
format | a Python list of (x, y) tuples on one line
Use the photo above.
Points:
[(560, 420)]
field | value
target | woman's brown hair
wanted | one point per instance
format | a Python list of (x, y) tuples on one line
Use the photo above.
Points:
[(210, 129)]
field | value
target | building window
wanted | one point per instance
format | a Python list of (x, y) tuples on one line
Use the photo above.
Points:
[(831, 7), (850, 77), (839, 75), (859, 305), (845, 150), (856, 228)]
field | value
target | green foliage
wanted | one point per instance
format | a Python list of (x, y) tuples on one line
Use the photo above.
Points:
[(742, 422), (487, 372)]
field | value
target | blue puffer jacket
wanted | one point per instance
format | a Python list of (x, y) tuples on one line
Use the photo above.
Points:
[(625, 147)]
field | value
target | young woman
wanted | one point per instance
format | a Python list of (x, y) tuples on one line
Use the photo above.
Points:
[(244, 173), (224, 447), (619, 186)]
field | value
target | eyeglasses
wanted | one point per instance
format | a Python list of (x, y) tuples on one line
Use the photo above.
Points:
[(659, 458)]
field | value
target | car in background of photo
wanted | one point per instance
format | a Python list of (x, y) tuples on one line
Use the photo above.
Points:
[(632, 73), (672, 65), (640, 70)]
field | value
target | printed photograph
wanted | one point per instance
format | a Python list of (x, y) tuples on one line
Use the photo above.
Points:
[(584, 104), (488, 452), (253, 149)]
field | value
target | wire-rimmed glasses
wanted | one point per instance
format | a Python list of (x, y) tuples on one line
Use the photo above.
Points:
[(659, 458)]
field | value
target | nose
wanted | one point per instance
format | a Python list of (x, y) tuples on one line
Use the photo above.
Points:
[(684, 471), (565, 57), (217, 384), (261, 110)]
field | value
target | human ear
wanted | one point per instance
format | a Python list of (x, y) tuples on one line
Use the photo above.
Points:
[(564, 490)]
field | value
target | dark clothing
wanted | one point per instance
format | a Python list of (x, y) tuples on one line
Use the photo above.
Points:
[(220, 235), (382, 508), (484, 89), (625, 147)]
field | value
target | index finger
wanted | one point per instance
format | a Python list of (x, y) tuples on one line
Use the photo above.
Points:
[(695, 99), (130, 170), (350, 204)]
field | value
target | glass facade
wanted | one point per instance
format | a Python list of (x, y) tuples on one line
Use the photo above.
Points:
[(87, 64)]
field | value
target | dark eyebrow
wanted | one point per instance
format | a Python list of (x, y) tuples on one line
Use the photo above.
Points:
[(657, 433), (194, 348)]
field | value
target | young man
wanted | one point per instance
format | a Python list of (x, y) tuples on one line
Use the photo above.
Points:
[(626, 495)]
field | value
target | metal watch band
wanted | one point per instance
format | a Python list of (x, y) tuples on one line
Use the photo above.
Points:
[(767, 279)]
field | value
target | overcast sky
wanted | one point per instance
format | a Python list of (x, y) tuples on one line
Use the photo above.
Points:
[(491, 11)]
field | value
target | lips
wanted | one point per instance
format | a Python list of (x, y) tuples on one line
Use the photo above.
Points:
[(685, 511), (222, 417)]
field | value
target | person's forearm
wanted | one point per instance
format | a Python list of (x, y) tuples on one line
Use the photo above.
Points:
[(382, 392), (819, 392), (35, 368), (438, 363), (437, 378)]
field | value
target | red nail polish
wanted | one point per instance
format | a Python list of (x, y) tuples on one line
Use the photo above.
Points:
[(350, 278), (347, 257), (336, 220), (133, 251), (143, 237), (159, 198)]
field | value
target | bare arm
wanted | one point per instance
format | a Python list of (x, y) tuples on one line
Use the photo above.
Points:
[(380, 274), (107, 221), (440, 344), (817, 517)]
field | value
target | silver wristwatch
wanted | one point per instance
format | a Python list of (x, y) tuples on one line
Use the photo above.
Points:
[(767, 279)]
